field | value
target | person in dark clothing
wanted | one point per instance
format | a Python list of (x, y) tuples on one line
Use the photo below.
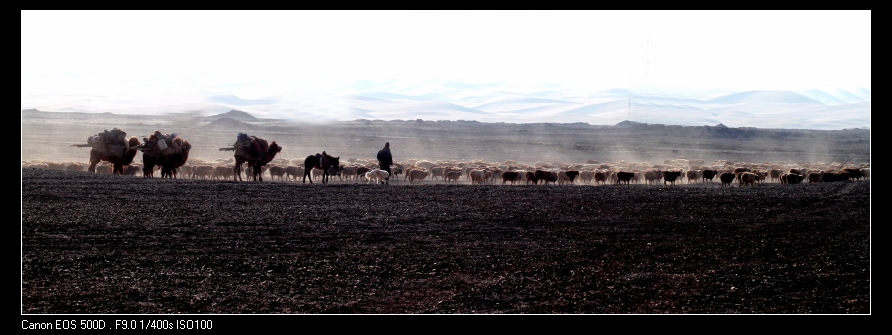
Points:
[(385, 160)]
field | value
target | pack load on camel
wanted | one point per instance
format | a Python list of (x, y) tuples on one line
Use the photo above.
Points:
[(165, 144), (108, 143), (249, 145)]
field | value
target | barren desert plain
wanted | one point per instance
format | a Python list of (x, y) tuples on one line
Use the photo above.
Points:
[(100, 244)]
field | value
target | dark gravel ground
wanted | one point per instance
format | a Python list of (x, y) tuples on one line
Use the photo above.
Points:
[(104, 244)]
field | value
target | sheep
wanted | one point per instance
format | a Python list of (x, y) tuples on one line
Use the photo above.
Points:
[(551, 177), (202, 172), (104, 168), (293, 172), (854, 173), (477, 176), (747, 178), (349, 172), (453, 176), (652, 176), (762, 174), (530, 176), (438, 171), (494, 174), (509, 176), (708, 174), (600, 177), (360, 171), (397, 170), (792, 178), (466, 171), (774, 174), (727, 178), (567, 176), (184, 171), (277, 171), (623, 177), (316, 173), (417, 174), (694, 176), (335, 171), (222, 172), (586, 176), (835, 176), (670, 177)]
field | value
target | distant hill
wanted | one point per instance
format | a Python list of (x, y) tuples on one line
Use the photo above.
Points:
[(628, 123), (235, 115), (228, 123)]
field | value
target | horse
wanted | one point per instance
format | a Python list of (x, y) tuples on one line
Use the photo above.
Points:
[(312, 162)]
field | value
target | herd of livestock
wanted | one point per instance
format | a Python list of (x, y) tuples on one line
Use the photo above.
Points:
[(113, 152), (417, 171)]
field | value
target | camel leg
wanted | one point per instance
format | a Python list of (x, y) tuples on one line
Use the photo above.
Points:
[(258, 172), (94, 159)]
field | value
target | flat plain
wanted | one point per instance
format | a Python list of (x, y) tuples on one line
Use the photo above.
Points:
[(107, 244)]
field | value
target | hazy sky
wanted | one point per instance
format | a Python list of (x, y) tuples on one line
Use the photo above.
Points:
[(73, 55)]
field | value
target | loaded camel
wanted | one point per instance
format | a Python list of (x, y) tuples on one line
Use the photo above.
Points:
[(255, 152), (113, 147), (168, 151)]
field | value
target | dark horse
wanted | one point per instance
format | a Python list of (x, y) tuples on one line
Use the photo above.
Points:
[(312, 162)]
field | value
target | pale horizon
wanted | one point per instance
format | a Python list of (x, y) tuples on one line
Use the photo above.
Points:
[(312, 65)]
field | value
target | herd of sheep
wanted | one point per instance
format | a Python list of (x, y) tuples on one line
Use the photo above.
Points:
[(418, 171)]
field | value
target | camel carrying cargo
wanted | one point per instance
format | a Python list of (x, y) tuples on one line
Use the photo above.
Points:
[(108, 143), (253, 150), (111, 146), (169, 151), (161, 144)]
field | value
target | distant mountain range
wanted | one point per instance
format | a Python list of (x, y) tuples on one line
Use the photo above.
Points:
[(811, 109)]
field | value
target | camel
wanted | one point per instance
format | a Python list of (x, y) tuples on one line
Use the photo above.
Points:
[(111, 146), (169, 163), (256, 160), (118, 161), (254, 151), (167, 151)]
